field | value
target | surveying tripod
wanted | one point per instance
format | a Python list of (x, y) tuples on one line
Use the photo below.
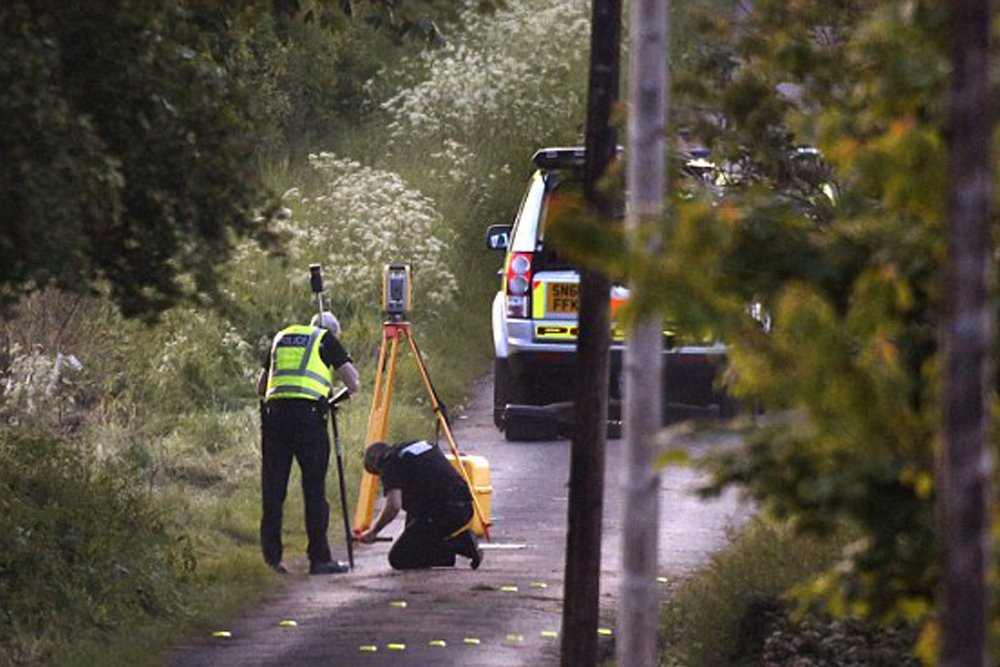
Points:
[(378, 421)]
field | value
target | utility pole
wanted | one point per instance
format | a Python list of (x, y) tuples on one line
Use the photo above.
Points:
[(966, 466), (586, 476), (646, 178)]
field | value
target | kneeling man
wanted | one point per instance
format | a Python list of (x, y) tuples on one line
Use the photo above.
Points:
[(417, 478)]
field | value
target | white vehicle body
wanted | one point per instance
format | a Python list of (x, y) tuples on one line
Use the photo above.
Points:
[(534, 317)]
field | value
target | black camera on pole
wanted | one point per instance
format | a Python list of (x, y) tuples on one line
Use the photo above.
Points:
[(316, 284)]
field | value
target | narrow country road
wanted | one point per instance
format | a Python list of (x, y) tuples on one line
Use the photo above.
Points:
[(507, 613)]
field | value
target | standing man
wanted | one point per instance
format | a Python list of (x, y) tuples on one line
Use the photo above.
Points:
[(417, 478), (295, 382)]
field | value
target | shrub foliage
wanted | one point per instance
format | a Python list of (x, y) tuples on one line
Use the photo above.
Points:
[(829, 123), (82, 545)]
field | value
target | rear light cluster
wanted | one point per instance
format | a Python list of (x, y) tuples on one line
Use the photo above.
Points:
[(619, 297), (519, 284)]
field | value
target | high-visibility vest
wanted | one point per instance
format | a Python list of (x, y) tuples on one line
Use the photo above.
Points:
[(297, 370)]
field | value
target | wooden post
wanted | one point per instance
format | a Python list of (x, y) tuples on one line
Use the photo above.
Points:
[(638, 617), (966, 468), (586, 479)]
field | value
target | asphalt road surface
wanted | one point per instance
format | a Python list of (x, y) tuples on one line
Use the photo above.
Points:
[(506, 613)]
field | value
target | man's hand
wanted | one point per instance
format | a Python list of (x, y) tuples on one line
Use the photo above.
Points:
[(393, 503), (348, 374)]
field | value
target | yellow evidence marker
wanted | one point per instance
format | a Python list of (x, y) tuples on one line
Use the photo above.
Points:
[(396, 647), (287, 624), (515, 638), (604, 631), (548, 634), (398, 604), (222, 634), (437, 642), (471, 640), (367, 648)]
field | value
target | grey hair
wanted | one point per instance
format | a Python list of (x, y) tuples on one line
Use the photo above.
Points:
[(328, 322)]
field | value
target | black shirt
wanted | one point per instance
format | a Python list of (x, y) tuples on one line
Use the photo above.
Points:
[(331, 351), (425, 477)]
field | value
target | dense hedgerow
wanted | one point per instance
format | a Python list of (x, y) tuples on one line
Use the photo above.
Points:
[(82, 547), (822, 641)]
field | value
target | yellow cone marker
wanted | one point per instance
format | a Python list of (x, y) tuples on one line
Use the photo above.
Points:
[(507, 589), (515, 638), (548, 634), (287, 624), (471, 640), (396, 647), (604, 631), (398, 604), (539, 584), (222, 634), (437, 642), (367, 648)]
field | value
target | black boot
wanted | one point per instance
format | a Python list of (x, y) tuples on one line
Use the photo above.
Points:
[(329, 567), (464, 544)]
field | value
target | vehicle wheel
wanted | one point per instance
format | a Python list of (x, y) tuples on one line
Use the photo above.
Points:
[(524, 428), (501, 390), (517, 430)]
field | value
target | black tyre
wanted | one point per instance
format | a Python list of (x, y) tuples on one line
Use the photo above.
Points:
[(523, 427), (520, 430)]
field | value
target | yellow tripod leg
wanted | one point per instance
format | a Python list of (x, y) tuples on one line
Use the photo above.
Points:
[(447, 432), (378, 422)]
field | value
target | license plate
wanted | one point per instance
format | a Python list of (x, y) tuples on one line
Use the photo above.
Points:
[(562, 298)]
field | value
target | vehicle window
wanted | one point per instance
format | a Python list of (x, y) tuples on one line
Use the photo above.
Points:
[(563, 185), (555, 190)]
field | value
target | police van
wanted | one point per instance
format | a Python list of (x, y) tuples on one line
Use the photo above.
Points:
[(534, 322)]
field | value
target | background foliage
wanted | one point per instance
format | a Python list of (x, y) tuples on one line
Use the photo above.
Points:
[(828, 122), (129, 154)]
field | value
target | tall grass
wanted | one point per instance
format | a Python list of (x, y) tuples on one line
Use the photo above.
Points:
[(81, 544), (705, 623), (747, 608)]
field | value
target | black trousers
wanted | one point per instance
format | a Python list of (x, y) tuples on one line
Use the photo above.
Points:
[(295, 429), (424, 540)]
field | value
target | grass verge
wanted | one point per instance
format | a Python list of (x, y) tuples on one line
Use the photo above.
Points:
[(703, 624), (735, 612), (236, 581)]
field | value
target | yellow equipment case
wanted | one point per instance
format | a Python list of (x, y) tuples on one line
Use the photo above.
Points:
[(478, 470)]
